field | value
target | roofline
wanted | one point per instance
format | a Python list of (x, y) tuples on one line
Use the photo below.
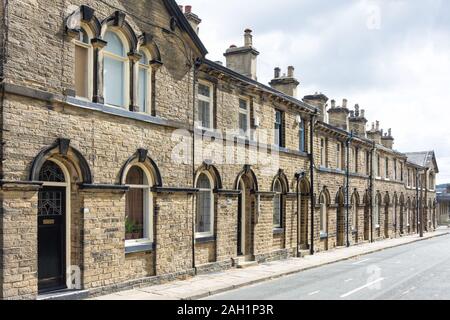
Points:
[(173, 8), (262, 86)]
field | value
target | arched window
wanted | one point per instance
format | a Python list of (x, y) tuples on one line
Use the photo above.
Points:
[(323, 215), (115, 71), (277, 204), (376, 212), (83, 65), (144, 83), (139, 206), (204, 226)]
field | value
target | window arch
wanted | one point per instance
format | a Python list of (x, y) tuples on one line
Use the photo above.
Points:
[(139, 205), (116, 70), (277, 204), (144, 82), (83, 64), (204, 224)]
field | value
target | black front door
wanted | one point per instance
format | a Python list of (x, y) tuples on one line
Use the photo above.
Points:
[(51, 239)]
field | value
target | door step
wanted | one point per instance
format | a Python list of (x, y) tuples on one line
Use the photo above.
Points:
[(245, 262), (303, 253)]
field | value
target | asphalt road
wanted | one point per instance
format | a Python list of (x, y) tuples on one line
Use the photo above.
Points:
[(417, 271)]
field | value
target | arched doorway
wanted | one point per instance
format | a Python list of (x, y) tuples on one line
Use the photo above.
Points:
[(53, 226), (355, 216), (366, 217), (340, 220), (247, 185), (402, 214), (386, 216), (303, 213)]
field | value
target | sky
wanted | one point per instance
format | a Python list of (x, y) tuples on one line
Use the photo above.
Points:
[(392, 57)]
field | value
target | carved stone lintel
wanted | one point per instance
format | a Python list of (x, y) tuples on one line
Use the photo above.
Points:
[(63, 145), (143, 153)]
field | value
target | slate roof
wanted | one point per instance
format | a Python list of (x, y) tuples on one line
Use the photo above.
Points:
[(423, 159)]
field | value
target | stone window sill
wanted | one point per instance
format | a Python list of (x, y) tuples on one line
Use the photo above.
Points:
[(205, 239), (323, 235), (139, 247), (278, 230)]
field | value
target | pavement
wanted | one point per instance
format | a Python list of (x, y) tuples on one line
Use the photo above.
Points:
[(204, 286)]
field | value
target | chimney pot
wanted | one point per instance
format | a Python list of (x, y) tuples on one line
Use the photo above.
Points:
[(181, 8), (344, 103), (277, 72), (333, 103), (390, 132), (291, 71), (248, 38), (188, 9), (363, 113), (377, 125)]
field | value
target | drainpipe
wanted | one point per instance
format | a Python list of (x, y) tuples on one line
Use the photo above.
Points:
[(371, 190), (347, 183), (311, 172), (197, 64)]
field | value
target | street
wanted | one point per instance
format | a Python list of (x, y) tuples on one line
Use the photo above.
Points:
[(419, 270)]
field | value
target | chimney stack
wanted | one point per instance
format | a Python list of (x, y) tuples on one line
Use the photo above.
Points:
[(388, 140), (277, 72), (358, 122), (319, 101), (375, 133), (193, 19), (243, 60), (286, 84), (338, 116)]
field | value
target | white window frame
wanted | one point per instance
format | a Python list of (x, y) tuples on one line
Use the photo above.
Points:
[(90, 67), (278, 194), (247, 113), (200, 235), (148, 71), (148, 205), (210, 100), (126, 71)]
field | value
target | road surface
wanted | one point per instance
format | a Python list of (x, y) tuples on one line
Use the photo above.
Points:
[(416, 271)]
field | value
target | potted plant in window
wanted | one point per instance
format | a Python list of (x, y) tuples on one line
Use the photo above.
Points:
[(137, 231), (129, 229)]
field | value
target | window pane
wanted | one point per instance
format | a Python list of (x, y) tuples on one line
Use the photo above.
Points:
[(134, 213), (204, 212), (84, 37), (81, 71), (277, 210), (243, 122), (114, 45), (242, 104), (114, 82), (144, 59), (142, 89), (135, 176), (204, 115), (204, 90)]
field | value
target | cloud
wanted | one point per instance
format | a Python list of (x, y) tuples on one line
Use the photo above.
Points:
[(391, 57)]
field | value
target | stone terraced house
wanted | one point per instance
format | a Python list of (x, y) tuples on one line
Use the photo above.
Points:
[(129, 159)]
